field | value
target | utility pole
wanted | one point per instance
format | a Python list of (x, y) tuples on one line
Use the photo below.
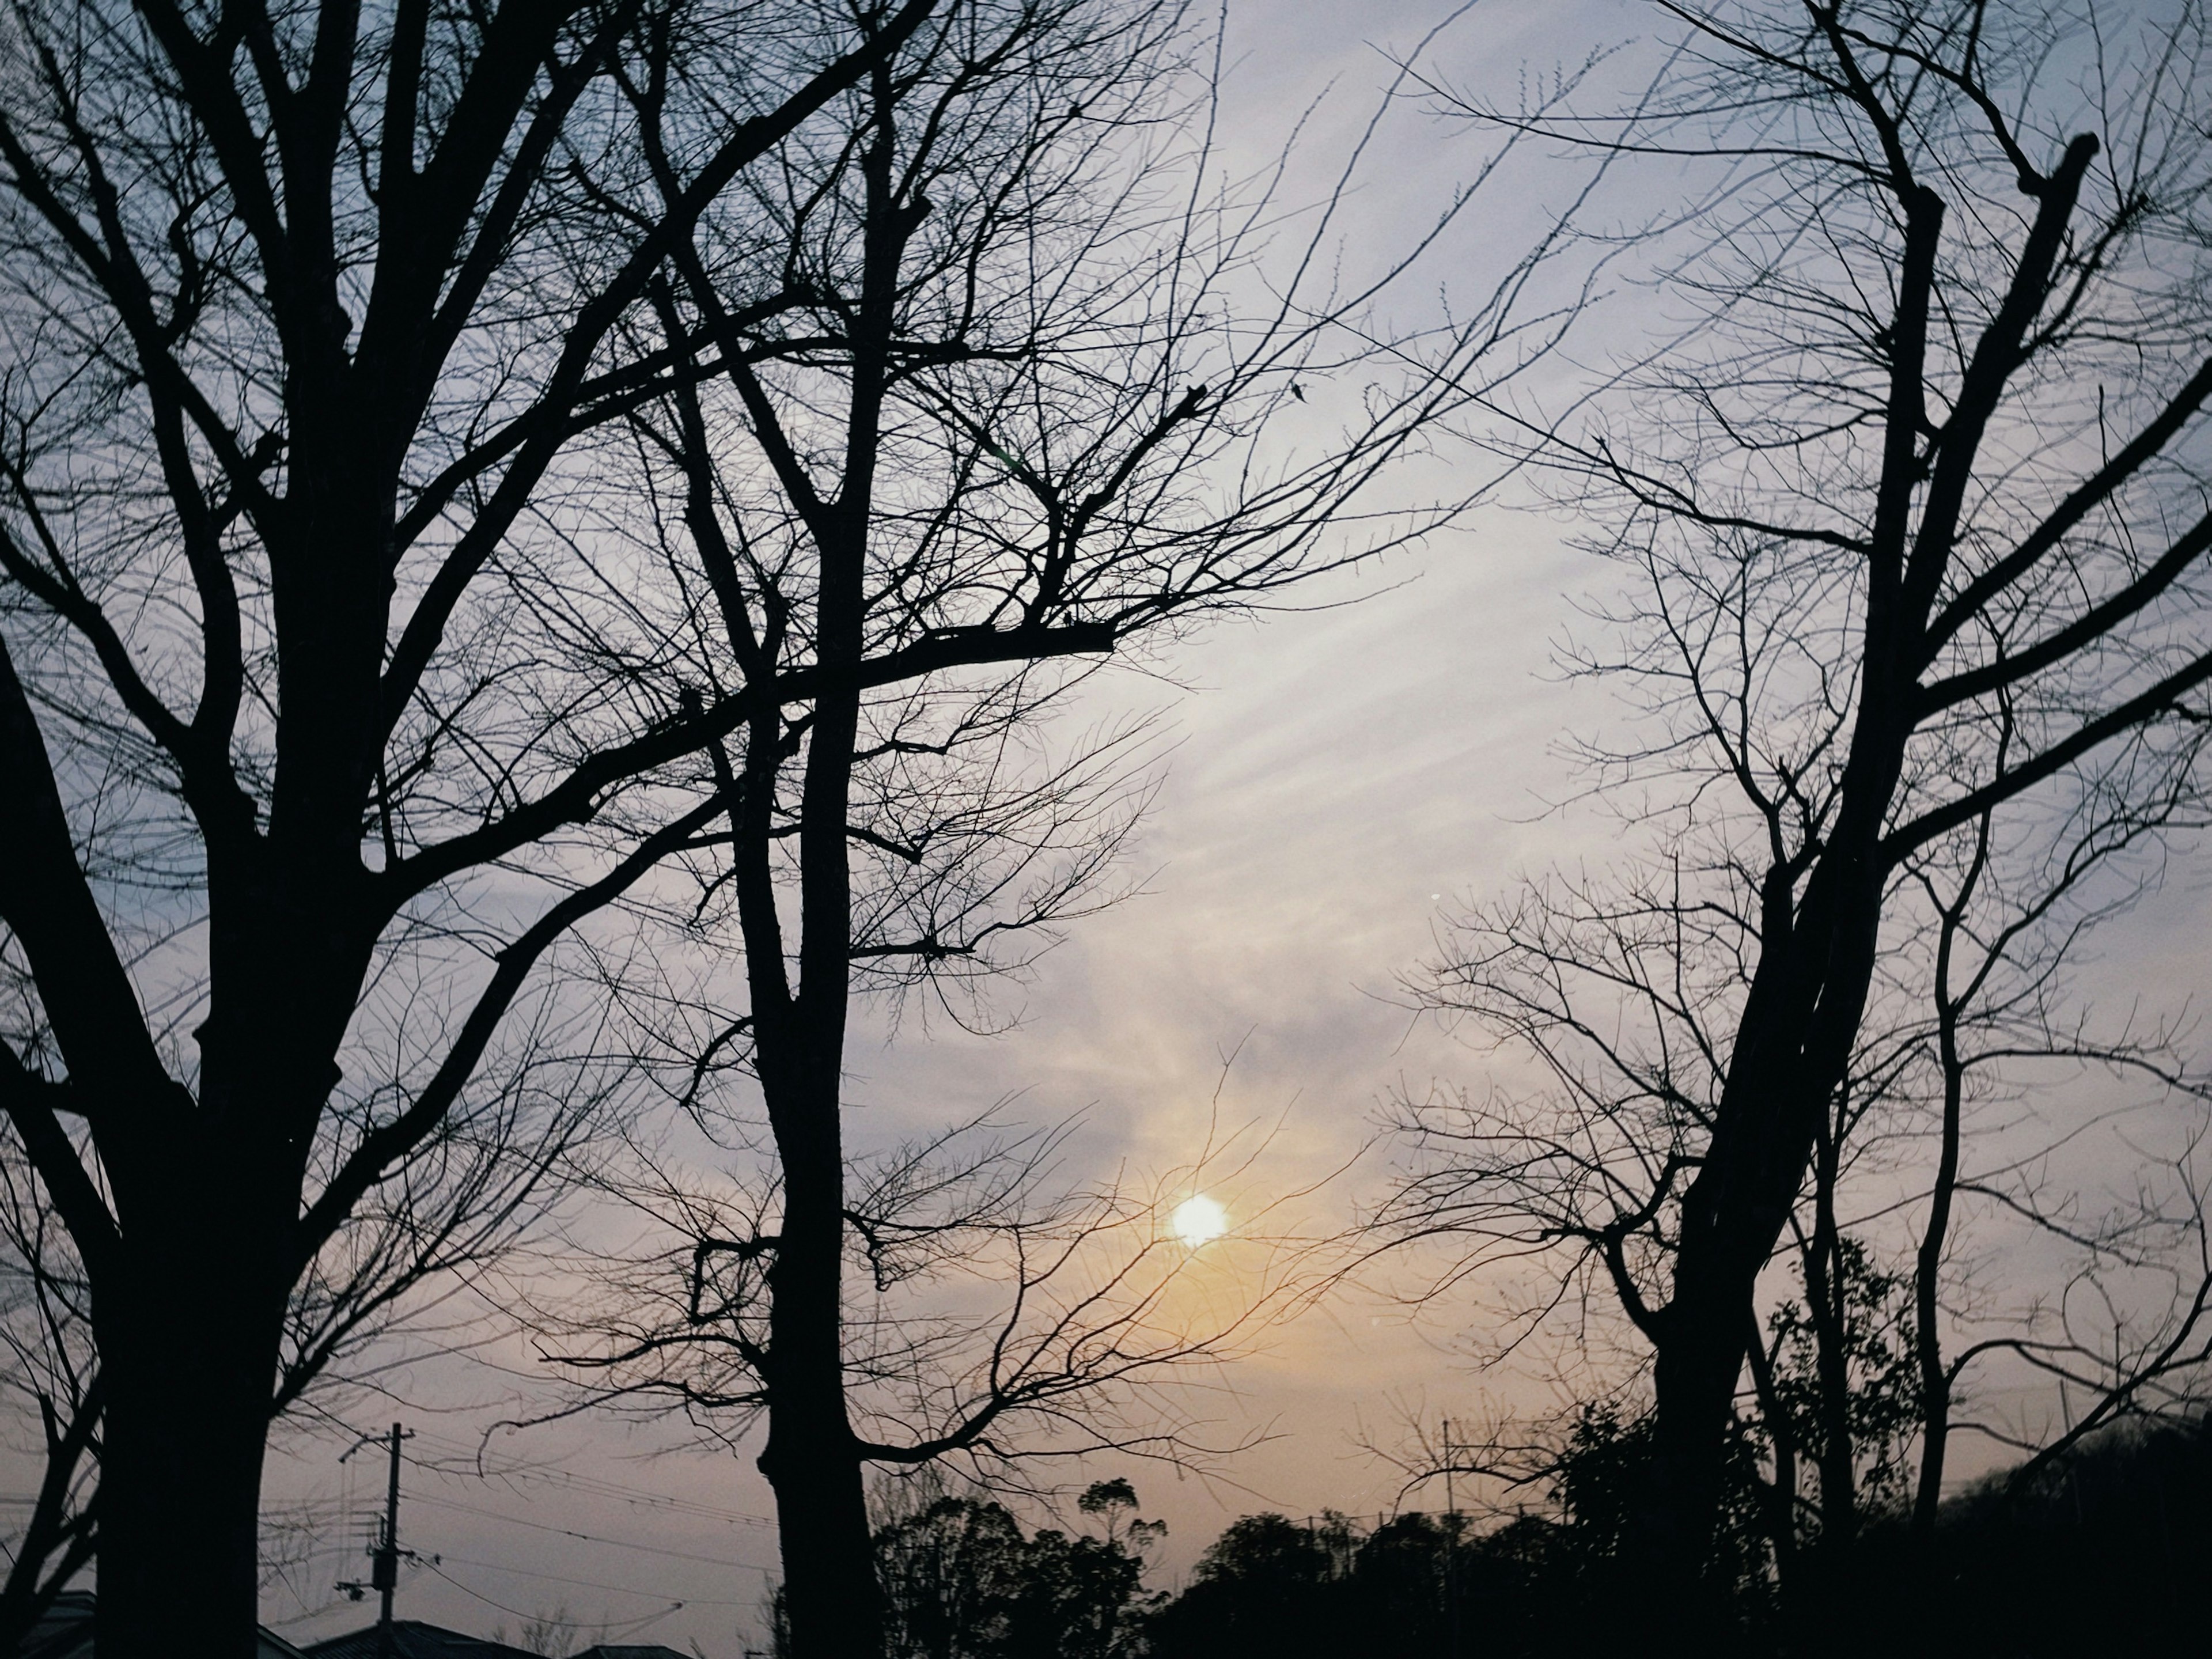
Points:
[(385, 1572), (384, 1554), (1452, 1544)]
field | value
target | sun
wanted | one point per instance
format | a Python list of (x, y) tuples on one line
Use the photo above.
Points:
[(1197, 1219)]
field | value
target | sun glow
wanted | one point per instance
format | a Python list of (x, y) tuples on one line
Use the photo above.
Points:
[(1197, 1219)]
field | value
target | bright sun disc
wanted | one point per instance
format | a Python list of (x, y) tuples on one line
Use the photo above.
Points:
[(1200, 1218)]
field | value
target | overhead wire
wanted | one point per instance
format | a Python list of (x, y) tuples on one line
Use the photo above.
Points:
[(608, 1628), (445, 1555), (593, 1485), (471, 1456), (339, 1508), (590, 1538), (602, 1487)]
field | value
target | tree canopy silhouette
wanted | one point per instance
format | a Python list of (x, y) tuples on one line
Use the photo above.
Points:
[(1912, 514), (463, 473)]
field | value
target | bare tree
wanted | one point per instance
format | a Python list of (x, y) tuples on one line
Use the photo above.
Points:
[(1914, 521), (358, 697), (1025, 390), (459, 1203), (297, 348), (2001, 1016)]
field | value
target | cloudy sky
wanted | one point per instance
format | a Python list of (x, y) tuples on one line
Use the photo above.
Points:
[(1344, 778)]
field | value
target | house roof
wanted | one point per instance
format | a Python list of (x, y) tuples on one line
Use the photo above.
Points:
[(64, 1631), (412, 1639)]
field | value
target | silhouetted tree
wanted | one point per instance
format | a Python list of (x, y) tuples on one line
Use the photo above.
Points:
[(996, 1320), (2094, 1546), (2098, 1548), (352, 714), (1018, 400), (299, 349), (1996, 982), (1914, 517), (1268, 1584), (961, 1581)]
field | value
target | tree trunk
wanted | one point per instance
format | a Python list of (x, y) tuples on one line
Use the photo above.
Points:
[(829, 1559), (1781, 1506), (1793, 1046), (828, 1563), (188, 1356), (1671, 1530), (830, 1591), (1927, 1335), (1827, 1297), (830, 1596), (834, 1601)]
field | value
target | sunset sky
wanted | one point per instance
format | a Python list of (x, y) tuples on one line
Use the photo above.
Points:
[(1343, 779)]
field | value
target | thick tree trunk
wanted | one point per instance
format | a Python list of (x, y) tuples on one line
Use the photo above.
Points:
[(828, 1561), (1733, 1216), (831, 1599), (1671, 1530), (188, 1355), (1793, 1045), (830, 1591)]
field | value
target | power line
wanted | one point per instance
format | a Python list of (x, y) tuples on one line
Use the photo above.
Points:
[(588, 1538), (582, 1584), (586, 1487), (612, 1626), (593, 1485)]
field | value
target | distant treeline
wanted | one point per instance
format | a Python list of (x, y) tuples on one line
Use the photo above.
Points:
[(2104, 1550)]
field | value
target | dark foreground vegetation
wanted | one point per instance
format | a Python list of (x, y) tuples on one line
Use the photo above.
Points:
[(2100, 1552)]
